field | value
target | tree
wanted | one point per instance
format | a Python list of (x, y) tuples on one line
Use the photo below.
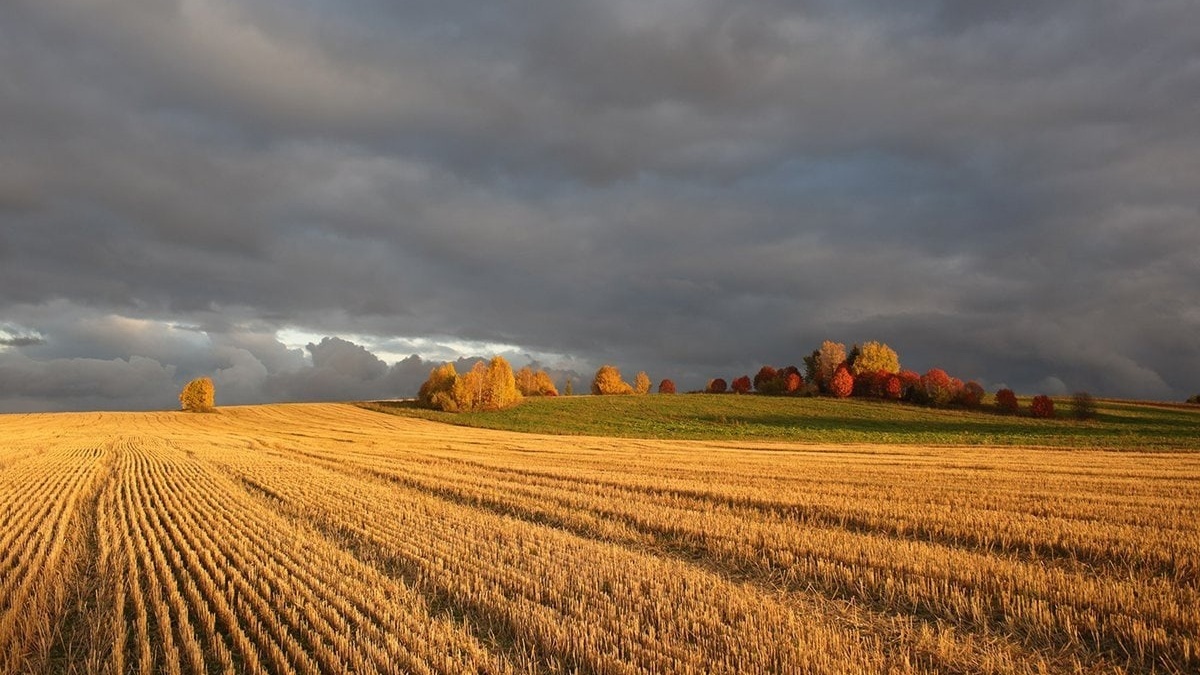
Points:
[(827, 359), (543, 384), (841, 384), (766, 380), (532, 382), (937, 388), (1042, 406), (569, 389), (717, 386), (792, 382), (1083, 406), (893, 387), (438, 392), (666, 387), (501, 385), (608, 382), (874, 357), (971, 395), (741, 385), (641, 383), (1006, 402), (198, 395)]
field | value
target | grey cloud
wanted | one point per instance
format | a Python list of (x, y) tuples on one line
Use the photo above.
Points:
[(1004, 189)]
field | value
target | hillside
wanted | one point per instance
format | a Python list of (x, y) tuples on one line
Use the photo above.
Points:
[(327, 538)]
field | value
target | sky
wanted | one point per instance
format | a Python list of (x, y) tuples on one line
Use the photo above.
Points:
[(320, 200)]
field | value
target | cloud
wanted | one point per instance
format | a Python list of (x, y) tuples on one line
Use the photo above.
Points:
[(1004, 190)]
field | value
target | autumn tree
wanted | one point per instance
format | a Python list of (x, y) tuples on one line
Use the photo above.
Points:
[(198, 395), (841, 384), (766, 380), (741, 385), (1042, 406), (893, 387), (825, 362), (608, 382), (641, 383), (875, 357), (1006, 402), (937, 388), (717, 386), (792, 382), (532, 382), (543, 384), (439, 391), (666, 387), (971, 395)]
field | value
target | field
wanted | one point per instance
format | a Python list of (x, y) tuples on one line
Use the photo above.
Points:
[(328, 538), (1118, 425)]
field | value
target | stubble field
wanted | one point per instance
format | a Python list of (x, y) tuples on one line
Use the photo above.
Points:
[(328, 538)]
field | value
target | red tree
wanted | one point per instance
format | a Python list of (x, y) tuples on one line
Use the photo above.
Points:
[(893, 387), (717, 386), (1042, 406), (971, 394), (841, 384), (741, 385), (666, 387), (1006, 402), (936, 387), (793, 383), (765, 379)]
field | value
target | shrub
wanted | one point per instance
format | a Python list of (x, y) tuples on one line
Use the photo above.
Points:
[(608, 382), (1083, 406), (741, 385), (1042, 406), (1194, 399), (666, 387), (1006, 402), (937, 388), (716, 386), (641, 383), (198, 395), (841, 384)]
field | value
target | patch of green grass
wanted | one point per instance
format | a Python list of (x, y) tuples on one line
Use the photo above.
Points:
[(1118, 424)]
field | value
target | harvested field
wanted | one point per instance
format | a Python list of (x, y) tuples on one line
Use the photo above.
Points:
[(327, 538)]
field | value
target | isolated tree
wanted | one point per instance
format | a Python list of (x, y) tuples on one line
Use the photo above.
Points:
[(841, 384), (569, 388), (1006, 402), (717, 386), (198, 395), (438, 392), (937, 388), (608, 382), (1042, 406), (741, 385), (874, 357), (666, 387), (641, 383), (1083, 406), (828, 358)]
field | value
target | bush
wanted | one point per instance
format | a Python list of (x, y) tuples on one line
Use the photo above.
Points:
[(717, 386), (841, 384), (198, 395), (1194, 399), (666, 387), (608, 382), (741, 385), (641, 383), (439, 390), (1083, 406), (1006, 402), (1042, 407)]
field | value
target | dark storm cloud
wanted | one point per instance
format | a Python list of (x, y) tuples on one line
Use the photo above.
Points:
[(691, 188)]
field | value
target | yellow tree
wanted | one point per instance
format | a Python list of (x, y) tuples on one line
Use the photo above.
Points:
[(641, 383), (608, 381), (198, 395), (501, 385), (439, 391), (874, 357), (527, 381), (829, 357), (543, 385)]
